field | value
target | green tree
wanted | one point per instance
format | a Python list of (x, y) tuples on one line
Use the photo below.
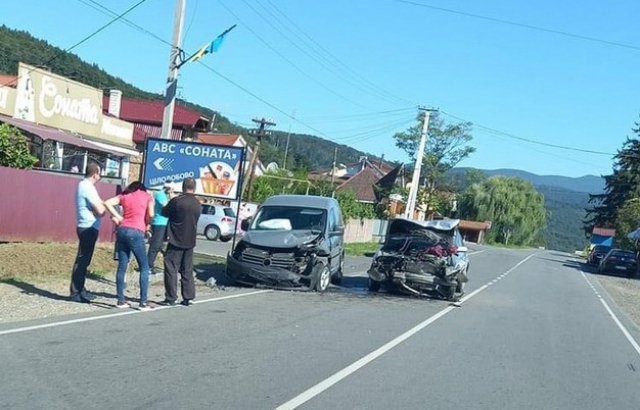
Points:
[(628, 220), (514, 207), (447, 145), (14, 149), (622, 185)]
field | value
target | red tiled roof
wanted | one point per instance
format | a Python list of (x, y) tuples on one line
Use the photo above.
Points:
[(217, 139), (8, 80), (150, 112), (362, 185), (604, 231), (473, 225)]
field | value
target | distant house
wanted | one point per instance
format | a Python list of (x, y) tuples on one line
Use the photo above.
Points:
[(231, 140), (366, 179), (602, 236), (146, 115), (474, 231)]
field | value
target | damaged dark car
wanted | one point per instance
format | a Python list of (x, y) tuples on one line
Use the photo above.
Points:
[(294, 241), (424, 258)]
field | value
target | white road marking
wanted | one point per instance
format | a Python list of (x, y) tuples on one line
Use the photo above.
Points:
[(352, 368), (476, 252), (125, 313), (613, 316)]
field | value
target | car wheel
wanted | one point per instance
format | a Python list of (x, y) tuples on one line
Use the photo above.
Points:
[(212, 233), (323, 277), (460, 286), (373, 285), (336, 279), (225, 238)]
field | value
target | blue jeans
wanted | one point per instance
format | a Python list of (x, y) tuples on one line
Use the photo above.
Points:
[(131, 240)]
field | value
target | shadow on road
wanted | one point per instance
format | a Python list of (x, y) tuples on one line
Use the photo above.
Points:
[(30, 289), (580, 265)]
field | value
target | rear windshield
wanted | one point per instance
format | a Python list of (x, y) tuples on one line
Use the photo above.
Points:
[(623, 254), (229, 212)]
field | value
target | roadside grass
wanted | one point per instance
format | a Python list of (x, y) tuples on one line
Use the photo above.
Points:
[(361, 249), (52, 262)]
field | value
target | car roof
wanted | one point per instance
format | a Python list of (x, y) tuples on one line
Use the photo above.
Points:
[(310, 201)]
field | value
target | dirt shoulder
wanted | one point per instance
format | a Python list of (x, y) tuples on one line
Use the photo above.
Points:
[(625, 292), (34, 280)]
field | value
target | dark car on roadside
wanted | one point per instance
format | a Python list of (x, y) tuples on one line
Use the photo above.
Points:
[(621, 261), (597, 253)]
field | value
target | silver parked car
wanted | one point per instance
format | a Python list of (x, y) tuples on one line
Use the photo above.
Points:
[(217, 222)]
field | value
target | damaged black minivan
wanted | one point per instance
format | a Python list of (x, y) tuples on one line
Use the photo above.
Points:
[(293, 241)]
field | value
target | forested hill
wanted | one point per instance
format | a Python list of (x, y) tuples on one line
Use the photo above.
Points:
[(305, 151)]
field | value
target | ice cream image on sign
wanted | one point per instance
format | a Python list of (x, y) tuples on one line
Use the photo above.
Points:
[(216, 179)]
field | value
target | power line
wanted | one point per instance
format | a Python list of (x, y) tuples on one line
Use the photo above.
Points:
[(346, 66), (291, 63), (531, 141), (330, 68), (87, 38), (360, 116), (523, 25)]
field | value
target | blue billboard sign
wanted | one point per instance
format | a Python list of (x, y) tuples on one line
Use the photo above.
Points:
[(217, 169)]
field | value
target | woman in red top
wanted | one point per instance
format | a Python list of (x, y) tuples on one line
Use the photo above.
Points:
[(137, 211)]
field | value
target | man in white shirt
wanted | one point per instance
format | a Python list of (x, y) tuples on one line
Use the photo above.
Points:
[(89, 210)]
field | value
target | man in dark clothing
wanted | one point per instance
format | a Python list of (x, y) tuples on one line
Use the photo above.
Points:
[(183, 213)]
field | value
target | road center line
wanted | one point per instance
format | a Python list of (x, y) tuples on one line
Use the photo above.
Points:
[(613, 316), (128, 312), (352, 368)]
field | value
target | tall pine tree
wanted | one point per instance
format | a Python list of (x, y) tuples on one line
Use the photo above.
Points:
[(621, 186)]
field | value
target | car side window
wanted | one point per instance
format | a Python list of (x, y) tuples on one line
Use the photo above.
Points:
[(209, 210), (333, 221)]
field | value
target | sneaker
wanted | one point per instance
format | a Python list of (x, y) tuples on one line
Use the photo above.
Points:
[(186, 302), (123, 304), (145, 307), (167, 303)]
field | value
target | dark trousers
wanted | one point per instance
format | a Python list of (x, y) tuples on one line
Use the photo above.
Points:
[(158, 236), (178, 260), (88, 238)]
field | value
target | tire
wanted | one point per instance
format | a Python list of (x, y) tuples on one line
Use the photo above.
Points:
[(373, 285), (322, 277), (212, 233), (460, 286), (336, 279), (225, 238)]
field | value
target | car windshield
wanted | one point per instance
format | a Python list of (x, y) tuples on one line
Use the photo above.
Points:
[(601, 249), (288, 218)]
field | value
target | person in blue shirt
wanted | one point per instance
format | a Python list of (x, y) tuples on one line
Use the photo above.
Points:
[(158, 226), (89, 211)]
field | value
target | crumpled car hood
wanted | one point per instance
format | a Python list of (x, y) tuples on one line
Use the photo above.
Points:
[(279, 239)]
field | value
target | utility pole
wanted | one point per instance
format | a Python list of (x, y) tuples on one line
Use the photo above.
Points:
[(286, 148), (172, 79), (259, 133), (333, 166), (415, 181)]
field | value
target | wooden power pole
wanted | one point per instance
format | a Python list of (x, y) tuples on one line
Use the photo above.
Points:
[(259, 133)]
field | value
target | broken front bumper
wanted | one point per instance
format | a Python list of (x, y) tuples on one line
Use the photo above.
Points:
[(252, 274)]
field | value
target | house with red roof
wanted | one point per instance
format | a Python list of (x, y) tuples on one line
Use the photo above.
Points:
[(146, 115), (232, 140)]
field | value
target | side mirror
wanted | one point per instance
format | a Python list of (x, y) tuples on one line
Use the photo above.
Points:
[(381, 240), (323, 253), (463, 249), (244, 225), (338, 231)]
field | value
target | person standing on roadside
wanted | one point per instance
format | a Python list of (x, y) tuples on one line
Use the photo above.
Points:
[(183, 212), (89, 210), (137, 211), (158, 226)]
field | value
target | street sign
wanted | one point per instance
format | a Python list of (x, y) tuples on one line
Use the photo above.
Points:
[(217, 169)]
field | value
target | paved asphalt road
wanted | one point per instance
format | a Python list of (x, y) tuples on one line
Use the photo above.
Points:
[(532, 333)]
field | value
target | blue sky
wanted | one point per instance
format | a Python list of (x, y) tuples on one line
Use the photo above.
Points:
[(386, 57)]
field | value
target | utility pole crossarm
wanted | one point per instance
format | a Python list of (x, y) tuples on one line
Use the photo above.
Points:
[(259, 133)]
